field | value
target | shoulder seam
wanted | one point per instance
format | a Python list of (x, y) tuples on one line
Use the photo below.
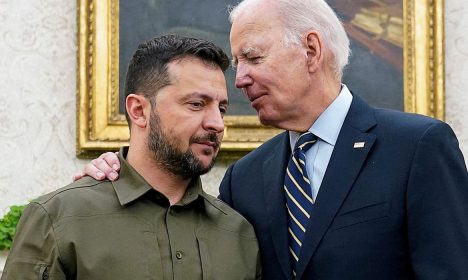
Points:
[(211, 201), (68, 189)]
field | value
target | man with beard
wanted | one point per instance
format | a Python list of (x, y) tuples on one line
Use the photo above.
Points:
[(155, 221)]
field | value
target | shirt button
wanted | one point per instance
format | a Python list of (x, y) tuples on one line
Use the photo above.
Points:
[(45, 275), (179, 255)]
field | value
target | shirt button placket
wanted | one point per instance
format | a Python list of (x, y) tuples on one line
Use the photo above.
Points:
[(173, 232), (173, 212)]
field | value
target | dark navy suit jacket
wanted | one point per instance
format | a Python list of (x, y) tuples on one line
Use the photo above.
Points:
[(396, 208)]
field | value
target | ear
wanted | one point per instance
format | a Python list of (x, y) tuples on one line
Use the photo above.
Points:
[(138, 109), (313, 43)]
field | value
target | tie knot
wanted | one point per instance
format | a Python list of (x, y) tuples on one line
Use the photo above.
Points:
[(305, 141)]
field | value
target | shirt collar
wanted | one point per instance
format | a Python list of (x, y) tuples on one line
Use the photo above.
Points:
[(131, 185), (328, 125)]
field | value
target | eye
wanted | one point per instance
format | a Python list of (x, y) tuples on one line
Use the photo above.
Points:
[(223, 109), (255, 59), (196, 105)]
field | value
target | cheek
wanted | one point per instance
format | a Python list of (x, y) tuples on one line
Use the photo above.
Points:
[(178, 136), (185, 135), (279, 79), (178, 124)]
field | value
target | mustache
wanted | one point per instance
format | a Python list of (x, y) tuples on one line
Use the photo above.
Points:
[(208, 137)]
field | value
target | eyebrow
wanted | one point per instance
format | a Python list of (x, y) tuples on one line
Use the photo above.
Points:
[(248, 50), (205, 96), (244, 52)]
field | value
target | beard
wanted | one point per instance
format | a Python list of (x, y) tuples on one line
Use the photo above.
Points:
[(171, 158)]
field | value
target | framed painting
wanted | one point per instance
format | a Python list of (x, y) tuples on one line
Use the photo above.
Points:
[(397, 61)]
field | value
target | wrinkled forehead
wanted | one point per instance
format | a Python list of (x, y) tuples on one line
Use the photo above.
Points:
[(254, 22), (249, 32)]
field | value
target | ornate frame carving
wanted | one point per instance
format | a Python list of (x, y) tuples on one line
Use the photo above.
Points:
[(100, 127)]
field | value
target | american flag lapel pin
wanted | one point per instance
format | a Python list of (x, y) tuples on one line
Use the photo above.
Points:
[(358, 145)]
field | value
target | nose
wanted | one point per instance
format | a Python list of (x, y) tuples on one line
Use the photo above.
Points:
[(243, 78), (214, 120)]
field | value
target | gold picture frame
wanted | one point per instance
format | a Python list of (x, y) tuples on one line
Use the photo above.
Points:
[(100, 126)]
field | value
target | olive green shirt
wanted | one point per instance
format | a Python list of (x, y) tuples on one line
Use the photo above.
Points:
[(127, 230)]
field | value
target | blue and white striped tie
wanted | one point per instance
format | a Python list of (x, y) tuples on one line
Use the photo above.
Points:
[(299, 200)]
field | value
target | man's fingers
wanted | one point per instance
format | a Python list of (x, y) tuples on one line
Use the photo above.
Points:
[(112, 160), (99, 170), (105, 166), (78, 176)]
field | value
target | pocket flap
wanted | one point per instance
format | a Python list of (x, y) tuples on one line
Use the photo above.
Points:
[(361, 215)]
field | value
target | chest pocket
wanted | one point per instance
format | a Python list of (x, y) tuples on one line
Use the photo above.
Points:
[(110, 247), (361, 215)]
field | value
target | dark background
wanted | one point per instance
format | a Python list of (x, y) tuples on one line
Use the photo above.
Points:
[(367, 75)]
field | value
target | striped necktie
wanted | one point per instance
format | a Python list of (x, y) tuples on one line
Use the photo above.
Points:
[(299, 200)]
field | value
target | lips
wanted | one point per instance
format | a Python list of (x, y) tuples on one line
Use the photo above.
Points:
[(210, 140), (253, 95), (214, 145), (255, 100)]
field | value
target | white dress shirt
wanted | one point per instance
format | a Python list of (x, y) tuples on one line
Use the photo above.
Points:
[(327, 128)]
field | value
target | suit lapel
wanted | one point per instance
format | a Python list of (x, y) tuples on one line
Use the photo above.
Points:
[(273, 175), (343, 168)]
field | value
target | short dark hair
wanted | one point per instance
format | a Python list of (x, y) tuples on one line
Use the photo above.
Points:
[(147, 71)]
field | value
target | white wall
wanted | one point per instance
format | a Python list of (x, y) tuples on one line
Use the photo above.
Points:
[(37, 94), (37, 98), (456, 71)]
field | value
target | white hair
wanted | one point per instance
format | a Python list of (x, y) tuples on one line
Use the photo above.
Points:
[(300, 16)]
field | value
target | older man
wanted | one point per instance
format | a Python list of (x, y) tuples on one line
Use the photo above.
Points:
[(349, 191), (155, 222)]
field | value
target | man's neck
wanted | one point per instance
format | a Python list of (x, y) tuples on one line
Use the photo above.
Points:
[(170, 185), (313, 106)]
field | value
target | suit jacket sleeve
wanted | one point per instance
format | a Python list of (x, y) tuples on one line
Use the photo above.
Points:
[(34, 254), (225, 187), (225, 195), (437, 202)]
